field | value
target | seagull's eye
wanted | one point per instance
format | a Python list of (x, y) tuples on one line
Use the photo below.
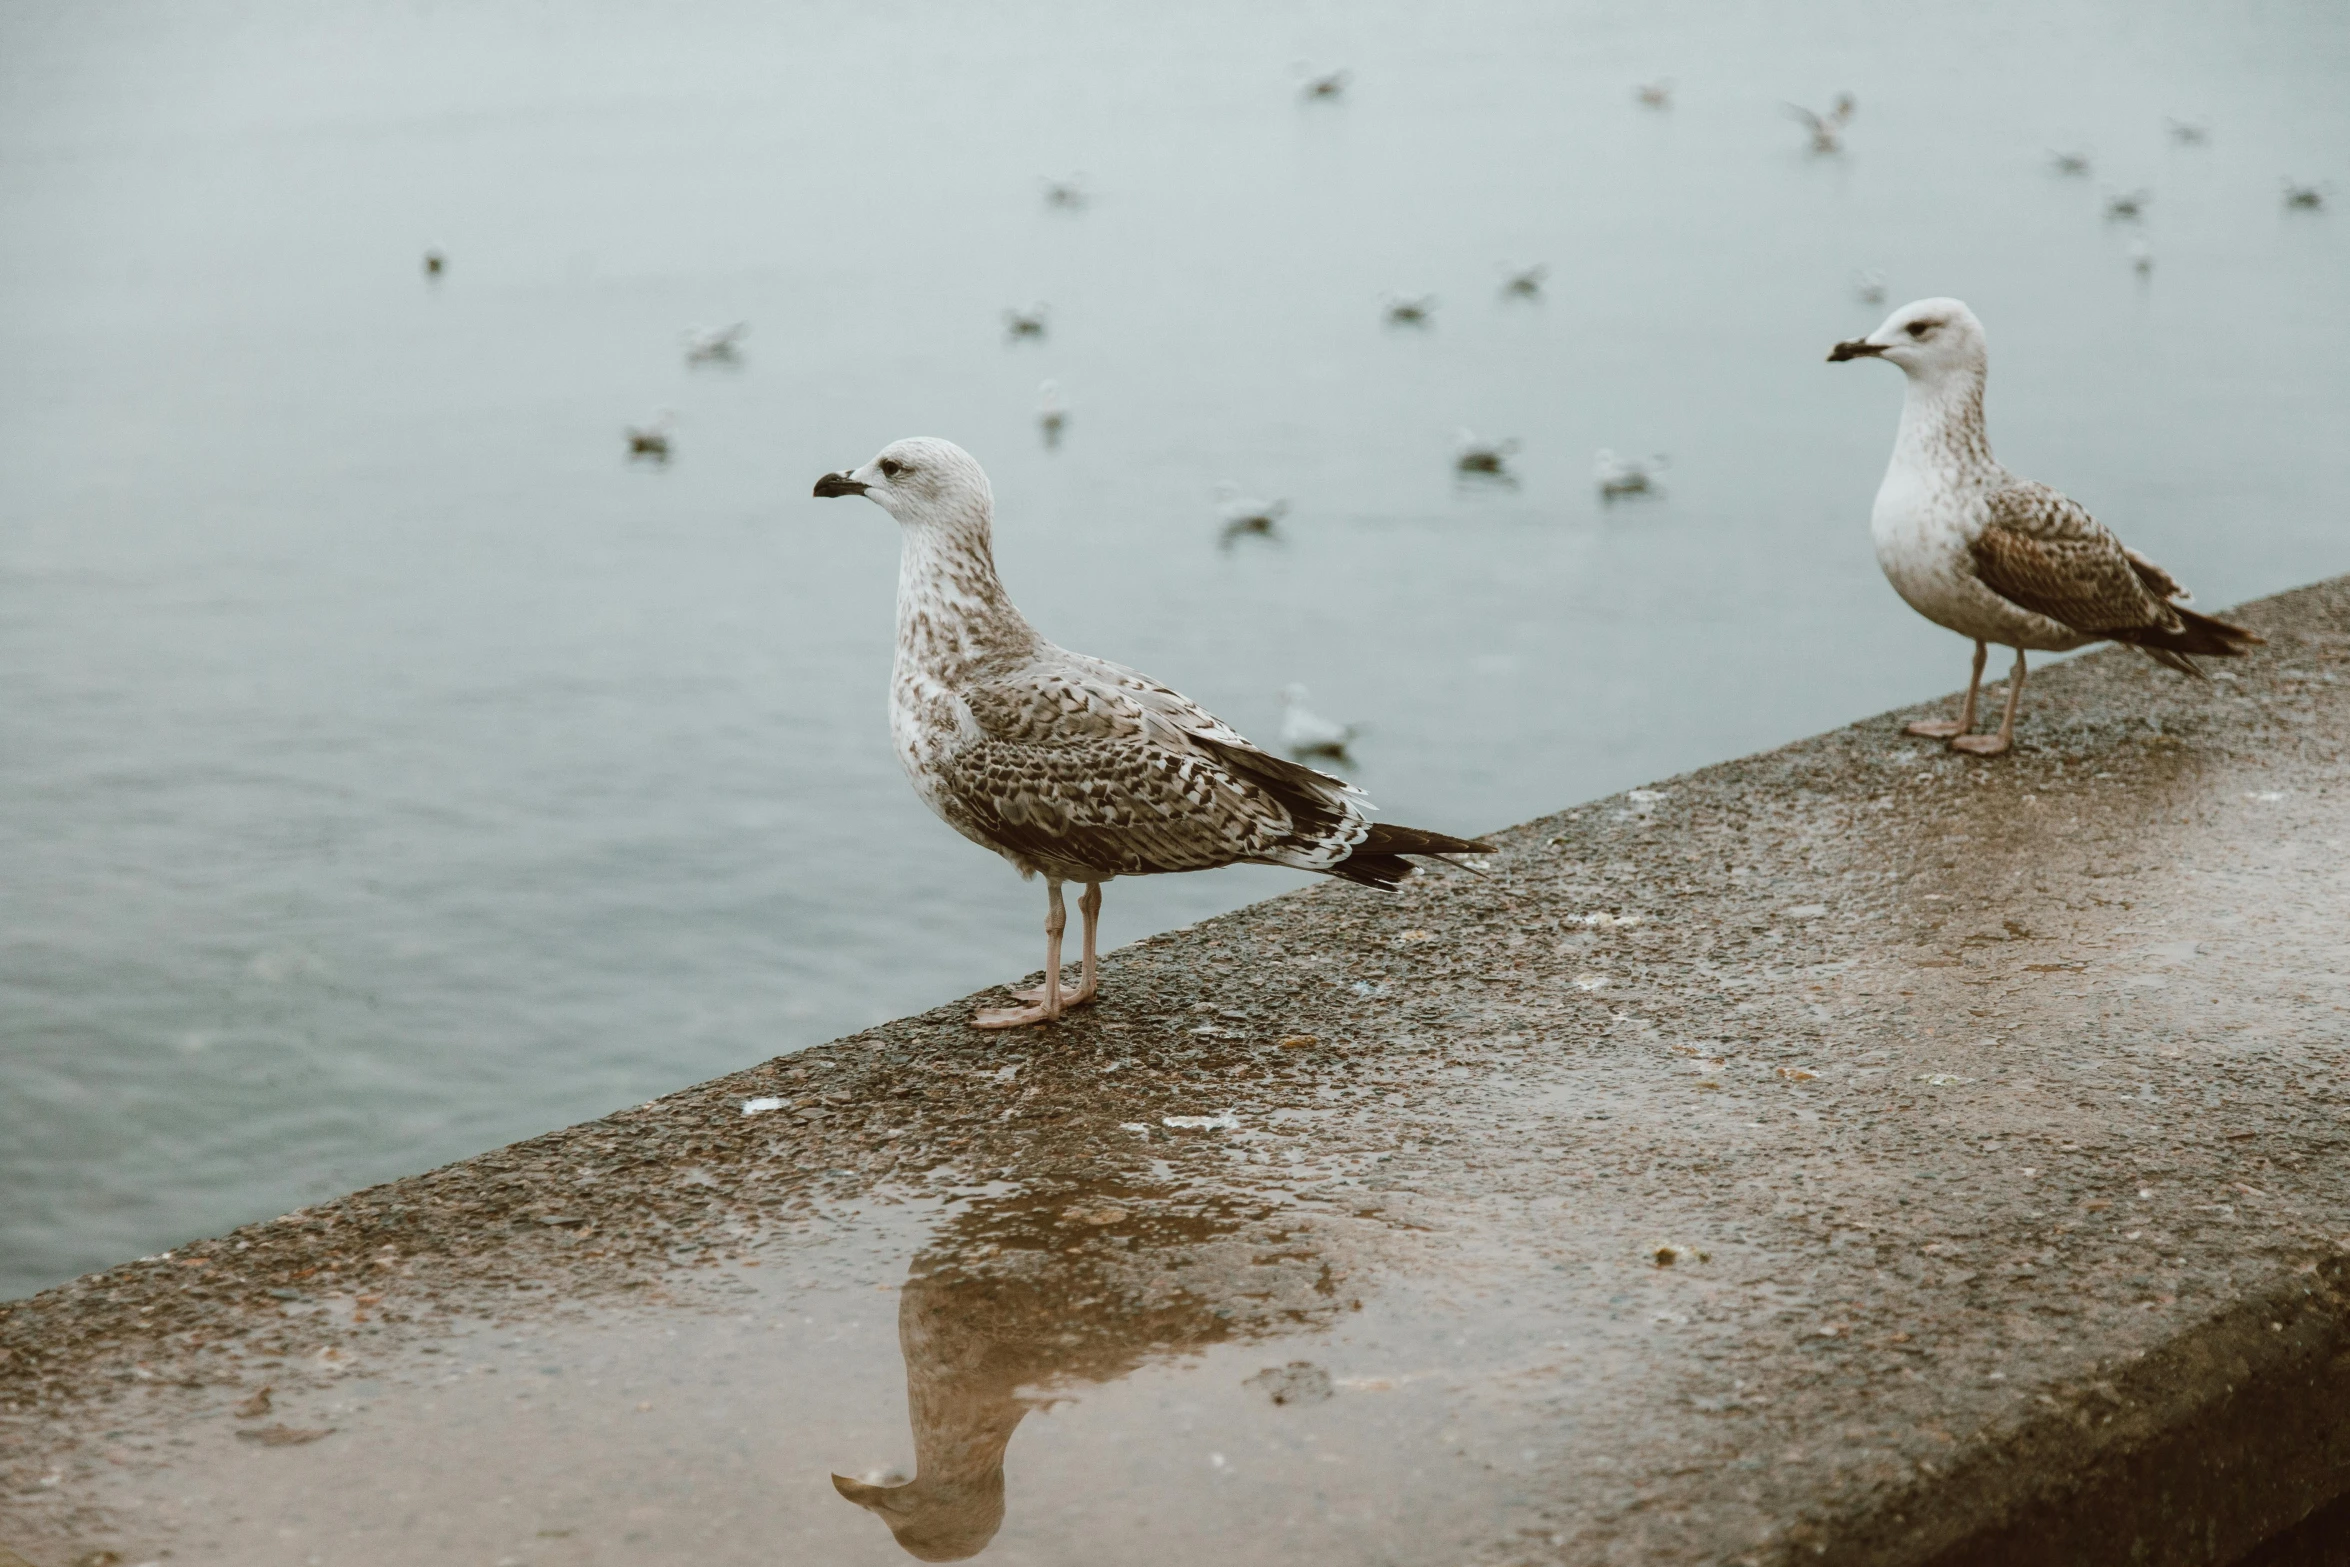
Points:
[(1921, 328), (892, 467)]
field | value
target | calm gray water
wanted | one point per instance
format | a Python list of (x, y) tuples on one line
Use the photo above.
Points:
[(389, 769)]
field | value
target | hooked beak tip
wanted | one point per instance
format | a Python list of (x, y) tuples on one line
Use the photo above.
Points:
[(1855, 348), (838, 484)]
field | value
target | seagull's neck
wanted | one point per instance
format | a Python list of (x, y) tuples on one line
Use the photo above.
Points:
[(1942, 426), (953, 612)]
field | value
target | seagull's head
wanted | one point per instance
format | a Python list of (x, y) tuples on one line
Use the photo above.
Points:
[(1929, 340), (921, 481)]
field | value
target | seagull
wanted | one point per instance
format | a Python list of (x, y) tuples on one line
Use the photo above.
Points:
[(1825, 128), (1999, 558), (1073, 766), (1069, 193), (1330, 84), (716, 345), (2121, 205), (435, 263), (2187, 133), (1657, 94), (650, 441), (1025, 323), (1409, 309), (1307, 733), (1051, 417), (2073, 163), (2142, 258), (1525, 282), (1245, 514), (1621, 476), (1474, 454), (2307, 197), (1868, 287)]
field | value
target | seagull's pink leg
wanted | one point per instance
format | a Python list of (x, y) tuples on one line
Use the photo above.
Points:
[(1049, 1003), (1089, 903), (1995, 745), (1944, 728)]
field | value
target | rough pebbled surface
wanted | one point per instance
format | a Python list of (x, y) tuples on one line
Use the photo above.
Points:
[(1852, 1153)]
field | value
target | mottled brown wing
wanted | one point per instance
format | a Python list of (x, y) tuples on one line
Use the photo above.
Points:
[(1072, 768), (2043, 552)]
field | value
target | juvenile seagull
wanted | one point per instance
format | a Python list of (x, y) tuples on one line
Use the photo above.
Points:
[(1474, 454), (1025, 323), (650, 440), (1999, 558), (1073, 766)]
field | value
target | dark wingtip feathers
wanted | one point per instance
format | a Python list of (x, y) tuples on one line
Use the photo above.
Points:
[(2200, 635), (1378, 861)]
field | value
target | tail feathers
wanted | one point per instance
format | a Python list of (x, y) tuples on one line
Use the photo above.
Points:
[(2196, 634), (1378, 861)]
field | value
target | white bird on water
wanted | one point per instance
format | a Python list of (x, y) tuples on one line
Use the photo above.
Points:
[(1052, 415), (1996, 557), (1826, 129), (1071, 766), (1246, 514), (1305, 732), (716, 345), (1618, 477)]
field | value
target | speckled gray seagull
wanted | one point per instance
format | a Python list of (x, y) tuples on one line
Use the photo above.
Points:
[(1996, 557), (1070, 766)]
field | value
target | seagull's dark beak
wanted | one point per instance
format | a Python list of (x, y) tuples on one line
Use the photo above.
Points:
[(838, 484), (1856, 348)]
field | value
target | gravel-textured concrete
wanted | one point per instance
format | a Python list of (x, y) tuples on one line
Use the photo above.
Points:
[(1854, 1153)]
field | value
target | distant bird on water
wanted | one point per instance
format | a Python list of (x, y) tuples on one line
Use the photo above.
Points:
[(1409, 309), (722, 345), (1524, 282), (435, 264), (1051, 416), (650, 441), (2308, 198), (1657, 94), (1306, 734), (2187, 133), (1827, 130), (2123, 206), (1619, 477), (1476, 456), (1996, 557), (1069, 194), (1071, 766), (1025, 323), (1245, 516), (2069, 163), (1326, 86)]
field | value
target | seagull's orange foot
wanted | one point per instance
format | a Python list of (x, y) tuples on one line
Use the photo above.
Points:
[(1936, 728), (1071, 996), (1018, 1017), (1980, 745)]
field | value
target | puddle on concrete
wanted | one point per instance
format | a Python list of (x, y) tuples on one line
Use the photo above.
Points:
[(1044, 1377)]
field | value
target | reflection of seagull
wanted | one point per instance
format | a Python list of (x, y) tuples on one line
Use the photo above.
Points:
[(1525, 282), (1069, 193), (2306, 197), (1826, 129), (1474, 454), (716, 345), (2076, 163), (2187, 133), (1051, 417), (1070, 765), (1618, 477), (2125, 204), (1330, 84), (1999, 558), (650, 441), (435, 263), (1025, 323), (1869, 287), (1307, 734), (1245, 515), (1409, 309), (1657, 94)]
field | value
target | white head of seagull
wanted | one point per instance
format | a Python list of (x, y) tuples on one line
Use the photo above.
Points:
[(1073, 766)]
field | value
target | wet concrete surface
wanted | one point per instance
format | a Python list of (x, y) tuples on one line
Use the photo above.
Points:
[(1853, 1153)]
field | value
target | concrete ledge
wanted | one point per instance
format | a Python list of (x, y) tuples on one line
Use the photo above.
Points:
[(1853, 1153)]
